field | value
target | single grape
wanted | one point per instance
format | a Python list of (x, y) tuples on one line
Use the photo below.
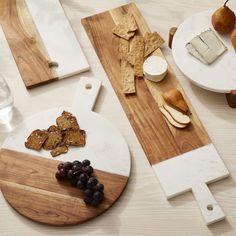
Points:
[(92, 181), (58, 175), (60, 166), (63, 173), (98, 196), (70, 174), (99, 187), (67, 165), (76, 168), (86, 163), (76, 163), (88, 193), (88, 200), (83, 177), (77, 174), (88, 170), (80, 184)]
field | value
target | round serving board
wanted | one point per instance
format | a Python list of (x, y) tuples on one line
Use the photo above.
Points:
[(27, 177), (217, 77)]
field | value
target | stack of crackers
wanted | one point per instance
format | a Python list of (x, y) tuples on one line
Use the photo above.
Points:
[(133, 49), (58, 138)]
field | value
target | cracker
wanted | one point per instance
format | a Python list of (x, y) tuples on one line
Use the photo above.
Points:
[(131, 53), (75, 138), (152, 42), (67, 121), (53, 128), (54, 138), (122, 31), (59, 150), (127, 77), (129, 22), (126, 28), (138, 55), (36, 139), (123, 48)]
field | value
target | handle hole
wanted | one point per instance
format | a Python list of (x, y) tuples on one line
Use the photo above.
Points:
[(88, 86), (209, 207)]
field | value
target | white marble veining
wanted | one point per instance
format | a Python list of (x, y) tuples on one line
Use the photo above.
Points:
[(105, 147), (217, 77), (192, 171)]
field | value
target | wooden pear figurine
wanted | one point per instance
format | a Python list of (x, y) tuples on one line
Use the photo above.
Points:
[(223, 19), (233, 39)]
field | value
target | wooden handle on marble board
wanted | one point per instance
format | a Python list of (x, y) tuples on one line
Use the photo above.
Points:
[(171, 36), (231, 98)]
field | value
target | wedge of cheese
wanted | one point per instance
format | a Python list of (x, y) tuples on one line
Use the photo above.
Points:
[(206, 47)]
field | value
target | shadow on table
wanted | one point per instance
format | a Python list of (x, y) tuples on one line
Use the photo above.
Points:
[(217, 99), (217, 228)]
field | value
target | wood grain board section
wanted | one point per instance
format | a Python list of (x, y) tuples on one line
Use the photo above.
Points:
[(29, 185), (159, 140), (25, 43)]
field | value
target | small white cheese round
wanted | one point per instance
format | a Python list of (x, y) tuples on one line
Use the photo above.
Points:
[(155, 68)]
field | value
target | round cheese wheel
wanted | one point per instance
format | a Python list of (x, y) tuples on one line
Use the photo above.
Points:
[(155, 68)]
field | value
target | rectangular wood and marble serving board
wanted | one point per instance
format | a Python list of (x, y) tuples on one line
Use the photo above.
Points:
[(159, 140), (41, 40)]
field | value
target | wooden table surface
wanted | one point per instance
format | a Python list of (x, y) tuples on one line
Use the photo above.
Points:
[(142, 209)]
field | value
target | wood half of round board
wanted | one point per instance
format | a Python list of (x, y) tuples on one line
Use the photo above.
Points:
[(29, 185), (155, 68)]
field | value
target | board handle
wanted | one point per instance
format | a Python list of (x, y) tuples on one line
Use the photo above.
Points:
[(86, 94), (209, 207)]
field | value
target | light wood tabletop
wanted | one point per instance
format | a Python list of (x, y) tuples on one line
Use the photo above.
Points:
[(143, 208)]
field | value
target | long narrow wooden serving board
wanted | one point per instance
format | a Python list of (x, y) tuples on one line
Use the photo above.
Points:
[(159, 140)]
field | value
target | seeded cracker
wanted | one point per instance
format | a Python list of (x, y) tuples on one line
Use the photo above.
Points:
[(75, 138), (36, 139), (152, 42), (67, 121), (54, 138), (59, 150)]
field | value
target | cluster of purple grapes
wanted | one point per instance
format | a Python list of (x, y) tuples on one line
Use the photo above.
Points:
[(80, 175)]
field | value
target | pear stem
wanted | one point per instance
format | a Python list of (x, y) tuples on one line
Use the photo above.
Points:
[(226, 3)]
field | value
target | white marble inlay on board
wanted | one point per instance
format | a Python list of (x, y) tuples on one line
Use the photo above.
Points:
[(179, 174), (58, 37), (105, 147), (217, 77), (192, 171)]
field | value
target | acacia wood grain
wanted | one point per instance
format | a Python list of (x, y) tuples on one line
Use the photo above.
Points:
[(159, 140), (29, 185), (25, 43)]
